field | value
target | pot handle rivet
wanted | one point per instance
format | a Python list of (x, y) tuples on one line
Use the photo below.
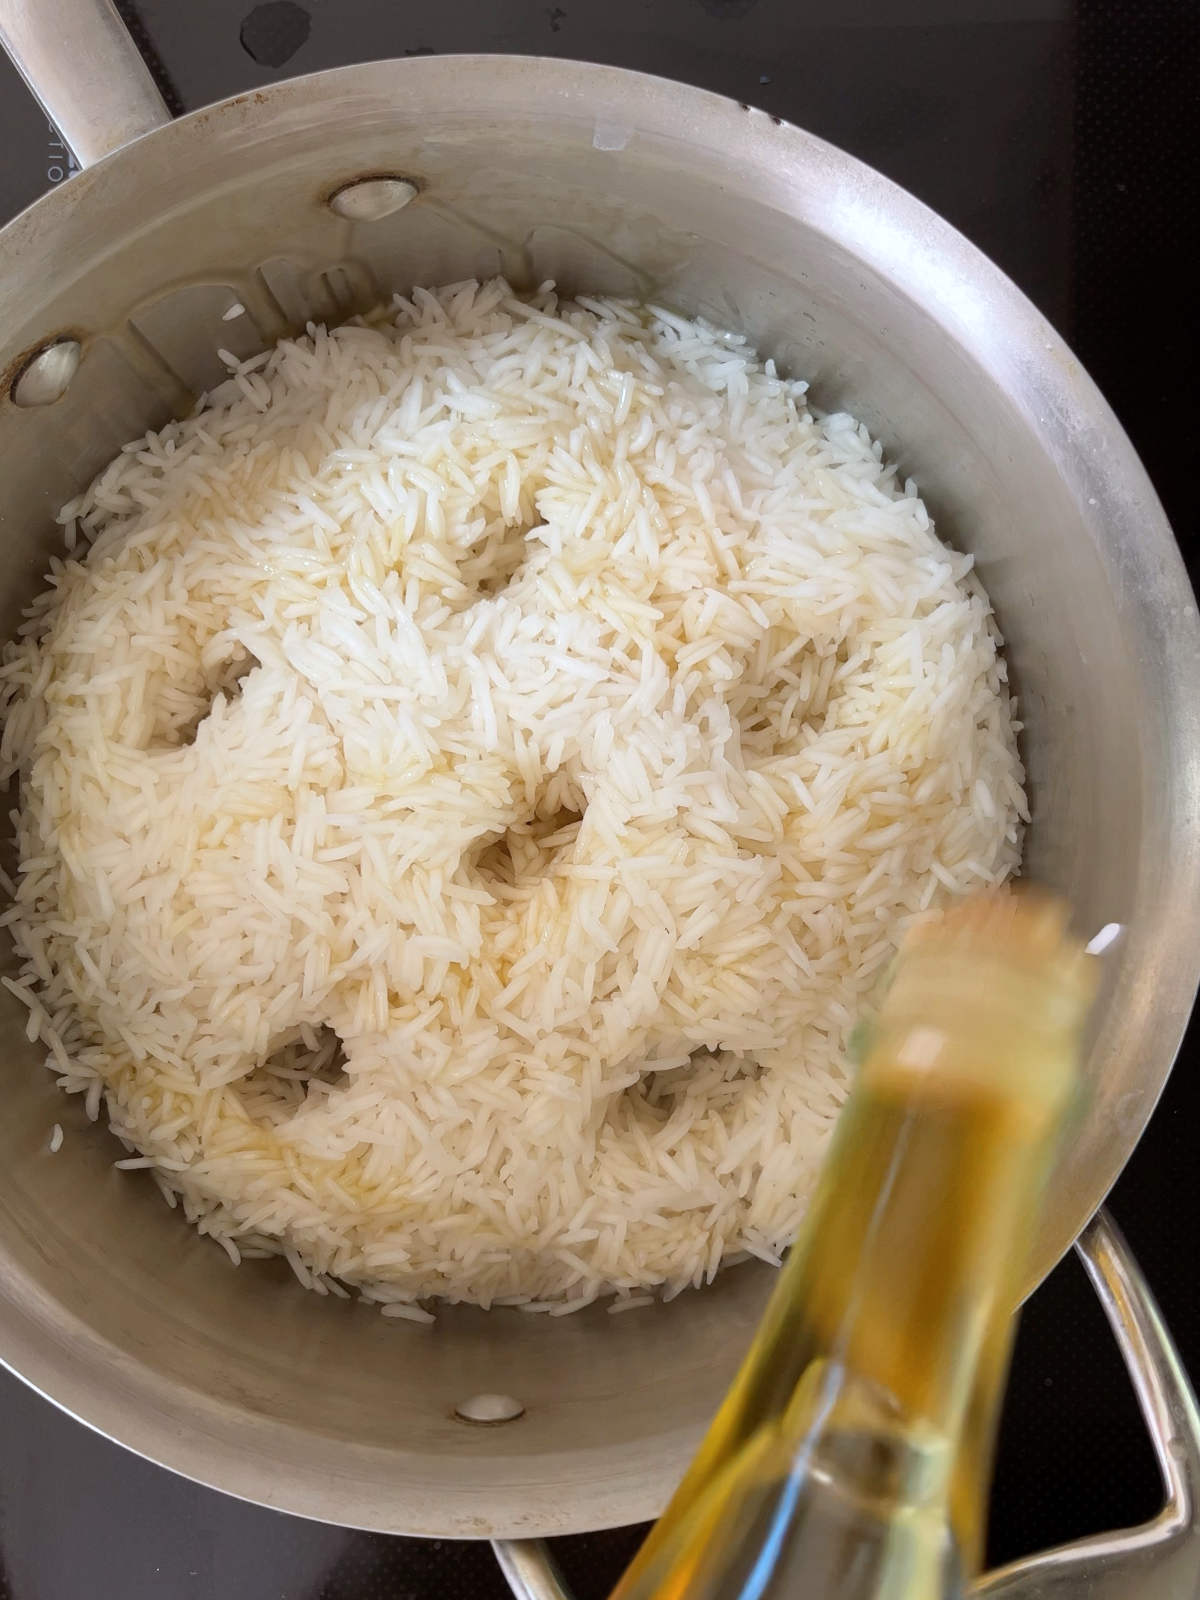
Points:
[(371, 199), (489, 1408), (47, 374)]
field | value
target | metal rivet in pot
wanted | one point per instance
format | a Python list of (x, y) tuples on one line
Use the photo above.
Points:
[(369, 199), (489, 1408), (46, 375)]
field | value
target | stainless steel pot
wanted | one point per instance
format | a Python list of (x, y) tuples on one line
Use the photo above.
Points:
[(287, 201)]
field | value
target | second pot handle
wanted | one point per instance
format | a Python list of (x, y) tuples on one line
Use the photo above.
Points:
[(530, 1570), (80, 62), (1158, 1561), (1161, 1559)]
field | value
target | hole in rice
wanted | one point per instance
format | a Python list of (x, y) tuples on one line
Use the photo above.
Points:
[(306, 1063), (185, 705), (527, 851), (492, 562), (783, 695), (718, 1074)]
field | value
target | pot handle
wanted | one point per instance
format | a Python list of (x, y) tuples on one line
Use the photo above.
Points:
[(1158, 1561), (83, 67)]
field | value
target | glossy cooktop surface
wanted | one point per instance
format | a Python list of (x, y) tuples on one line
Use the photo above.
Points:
[(1061, 138)]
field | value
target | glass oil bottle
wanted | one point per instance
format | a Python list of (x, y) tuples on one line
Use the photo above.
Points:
[(852, 1455)]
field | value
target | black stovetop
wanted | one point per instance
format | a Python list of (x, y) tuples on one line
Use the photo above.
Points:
[(1059, 136)]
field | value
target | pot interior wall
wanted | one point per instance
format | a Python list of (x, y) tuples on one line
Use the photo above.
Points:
[(108, 1300)]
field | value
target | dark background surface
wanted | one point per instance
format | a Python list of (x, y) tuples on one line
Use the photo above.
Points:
[(1062, 139)]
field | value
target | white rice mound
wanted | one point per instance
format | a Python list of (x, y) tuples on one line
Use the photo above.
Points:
[(540, 700)]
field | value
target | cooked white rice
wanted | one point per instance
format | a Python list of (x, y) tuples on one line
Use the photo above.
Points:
[(472, 773)]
